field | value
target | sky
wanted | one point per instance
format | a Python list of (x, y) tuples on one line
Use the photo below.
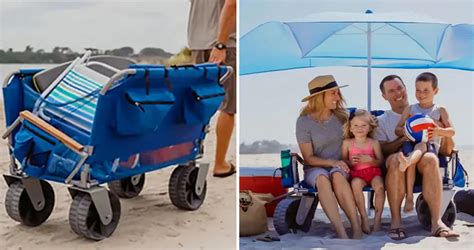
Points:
[(103, 24), (269, 103)]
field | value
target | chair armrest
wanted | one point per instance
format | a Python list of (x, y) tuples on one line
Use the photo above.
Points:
[(46, 127), (298, 158)]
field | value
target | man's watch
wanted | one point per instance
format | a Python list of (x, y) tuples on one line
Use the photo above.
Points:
[(220, 46)]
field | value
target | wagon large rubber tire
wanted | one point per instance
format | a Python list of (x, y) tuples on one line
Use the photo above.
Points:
[(424, 216), (84, 218), (19, 207), (182, 188), (284, 218), (127, 187)]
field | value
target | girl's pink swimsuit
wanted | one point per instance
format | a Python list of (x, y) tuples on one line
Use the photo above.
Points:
[(363, 170)]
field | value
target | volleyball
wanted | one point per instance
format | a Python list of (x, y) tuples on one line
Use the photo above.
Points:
[(416, 127)]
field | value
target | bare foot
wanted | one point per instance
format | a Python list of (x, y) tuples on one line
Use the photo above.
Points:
[(224, 170), (408, 205), (403, 162), (365, 225), (377, 224)]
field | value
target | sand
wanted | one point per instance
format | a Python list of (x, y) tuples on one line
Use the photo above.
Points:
[(147, 221), (322, 234)]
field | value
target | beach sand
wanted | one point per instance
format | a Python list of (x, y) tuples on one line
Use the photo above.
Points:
[(148, 221), (322, 234)]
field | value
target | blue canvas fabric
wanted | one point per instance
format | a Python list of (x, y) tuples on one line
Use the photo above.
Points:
[(319, 40), (173, 129), (141, 113), (203, 101)]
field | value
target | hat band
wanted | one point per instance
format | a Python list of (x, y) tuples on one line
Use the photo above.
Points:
[(319, 89)]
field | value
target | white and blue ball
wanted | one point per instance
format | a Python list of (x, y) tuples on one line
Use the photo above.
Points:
[(416, 127)]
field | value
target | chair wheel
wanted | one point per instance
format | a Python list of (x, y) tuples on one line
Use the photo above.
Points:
[(128, 187), (182, 188), (20, 208), (424, 216), (84, 218), (284, 218)]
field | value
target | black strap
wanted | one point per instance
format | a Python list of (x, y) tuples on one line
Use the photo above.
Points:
[(327, 86), (167, 80), (147, 81)]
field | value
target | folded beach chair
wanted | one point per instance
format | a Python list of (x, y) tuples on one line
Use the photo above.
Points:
[(105, 65), (87, 128)]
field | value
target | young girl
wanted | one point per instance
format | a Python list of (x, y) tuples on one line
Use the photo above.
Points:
[(364, 155)]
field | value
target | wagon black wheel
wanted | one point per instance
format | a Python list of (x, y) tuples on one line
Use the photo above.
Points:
[(284, 218), (182, 188), (128, 187), (84, 218), (20, 208), (424, 216)]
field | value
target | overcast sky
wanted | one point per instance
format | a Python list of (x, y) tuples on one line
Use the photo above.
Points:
[(103, 24)]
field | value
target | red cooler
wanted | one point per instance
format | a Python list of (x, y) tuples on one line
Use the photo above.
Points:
[(262, 180)]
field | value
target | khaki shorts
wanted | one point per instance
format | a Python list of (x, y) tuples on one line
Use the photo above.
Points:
[(229, 104)]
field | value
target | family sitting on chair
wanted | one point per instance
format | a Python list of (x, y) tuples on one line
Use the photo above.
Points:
[(337, 148)]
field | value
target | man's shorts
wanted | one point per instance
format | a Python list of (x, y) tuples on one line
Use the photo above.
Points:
[(409, 146), (366, 174), (310, 173), (229, 104)]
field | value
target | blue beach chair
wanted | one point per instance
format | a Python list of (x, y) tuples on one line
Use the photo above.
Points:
[(296, 212), (87, 128)]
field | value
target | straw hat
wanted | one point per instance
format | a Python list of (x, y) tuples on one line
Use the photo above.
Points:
[(321, 84)]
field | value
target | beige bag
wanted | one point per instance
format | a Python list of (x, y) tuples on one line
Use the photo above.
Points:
[(253, 216)]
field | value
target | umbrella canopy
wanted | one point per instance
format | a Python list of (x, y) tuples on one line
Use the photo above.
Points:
[(390, 40)]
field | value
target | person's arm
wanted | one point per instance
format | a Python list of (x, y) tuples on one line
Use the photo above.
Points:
[(345, 152), (399, 130), (447, 130), (392, 147), (378, 153), (312, 160), (378, 160), (227, 24)]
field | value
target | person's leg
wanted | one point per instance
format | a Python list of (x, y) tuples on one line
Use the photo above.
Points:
[(413, 158), (344, 196), (395, 185), (432, 190), (410, 178), (224, 128), (447, 146), (378, 187), (357, 185), (226, 119), (329, 204)]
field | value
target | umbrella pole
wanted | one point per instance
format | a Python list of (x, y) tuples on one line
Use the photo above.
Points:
[(369, 66)]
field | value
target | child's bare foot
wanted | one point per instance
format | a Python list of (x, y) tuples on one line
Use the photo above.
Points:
[(403, 162), (365, 225), (408, 205), (377, 224)]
